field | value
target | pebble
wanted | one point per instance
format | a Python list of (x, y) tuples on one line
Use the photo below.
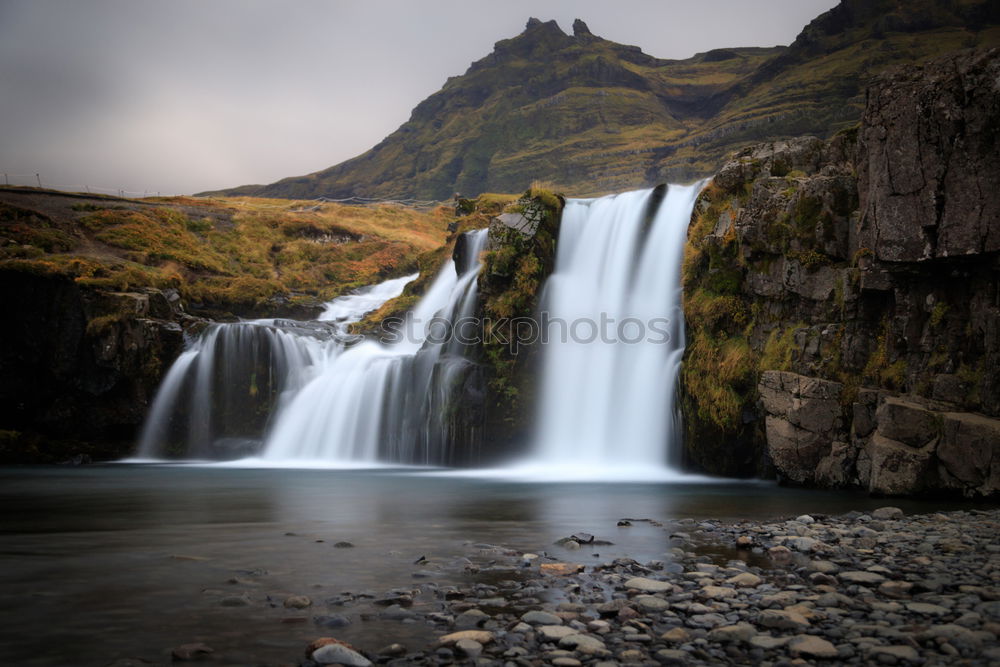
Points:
[(470, 648), (745, 580), (541, 618), (812, 646), (339, 654), (556, 632), (858, 577), (583, 644), (481, 636), (297, 602), (649, 585), (741, 632), (781, 619)]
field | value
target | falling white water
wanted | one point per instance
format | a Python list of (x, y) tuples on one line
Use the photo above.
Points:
[(386, 403), (350, 308), (217, 398), (607, 403)]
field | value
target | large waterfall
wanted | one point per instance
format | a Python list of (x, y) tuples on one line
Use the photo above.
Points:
[(615, 325)]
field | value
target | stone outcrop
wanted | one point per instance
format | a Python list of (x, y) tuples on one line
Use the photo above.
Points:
[(925, 187), (850, 289), (78, 367), (890, 445)]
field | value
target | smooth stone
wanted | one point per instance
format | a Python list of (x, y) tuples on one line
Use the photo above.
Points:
[(767, 642), (555, 632), (781, 619), (338, 654), (670, 656), (297, 602), (599, 626), (647, 585), (780, 554), (895, 589), (541, 618), (745, 580), (472, 618), (469, 648), (885, 513), (811, 646), (235, 601), (481, 636), (566, 661), (191, 651), (392, 650), (782, 599), (394, 612), (898, 652), (651, 603), (717, 592), (582, 644), (676, 635), (802, 543), (741, 632), (926, 608), (706, 620), (331, 621), (859, 577), (825, 566)]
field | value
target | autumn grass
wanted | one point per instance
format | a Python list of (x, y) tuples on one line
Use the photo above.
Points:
[(225, 252)]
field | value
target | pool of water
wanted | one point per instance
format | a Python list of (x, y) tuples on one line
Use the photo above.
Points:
[(106, 563)]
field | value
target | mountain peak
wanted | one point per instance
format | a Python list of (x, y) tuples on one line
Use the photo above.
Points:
[(550, 28), (580, 29)]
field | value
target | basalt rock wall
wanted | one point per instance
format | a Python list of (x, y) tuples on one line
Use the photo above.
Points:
[(849, 291), (78, 367)]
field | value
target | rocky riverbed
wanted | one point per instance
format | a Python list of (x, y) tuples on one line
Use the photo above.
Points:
[(861, 588)]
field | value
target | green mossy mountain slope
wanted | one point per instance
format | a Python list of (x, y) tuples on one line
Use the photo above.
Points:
[(590, 116)]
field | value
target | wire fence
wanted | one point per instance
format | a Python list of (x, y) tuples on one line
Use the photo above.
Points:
[(36, 180)]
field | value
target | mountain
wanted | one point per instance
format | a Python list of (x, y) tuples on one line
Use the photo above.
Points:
[(589, 116)]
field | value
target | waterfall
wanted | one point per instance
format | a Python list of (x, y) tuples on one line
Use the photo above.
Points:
[(377, 403), (217, 399), (613, 314), (298, 393)]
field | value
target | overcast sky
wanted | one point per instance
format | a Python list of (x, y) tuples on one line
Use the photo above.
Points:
[(185, 95)]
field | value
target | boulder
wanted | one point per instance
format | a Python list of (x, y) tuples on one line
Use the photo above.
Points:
[(897, 469)]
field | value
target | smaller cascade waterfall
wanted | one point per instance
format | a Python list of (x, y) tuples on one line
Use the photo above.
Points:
[(389, 403), (296, 392), (616, 336), (216, 401)]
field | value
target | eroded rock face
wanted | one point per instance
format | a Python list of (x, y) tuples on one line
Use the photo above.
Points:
[(78, 367), (858, 281), (925, 187)]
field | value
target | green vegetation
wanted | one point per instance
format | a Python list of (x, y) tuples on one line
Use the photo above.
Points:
[(511, 281)]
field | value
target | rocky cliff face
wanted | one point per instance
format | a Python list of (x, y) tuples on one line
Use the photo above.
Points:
[(850, 292), (78, 367)]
